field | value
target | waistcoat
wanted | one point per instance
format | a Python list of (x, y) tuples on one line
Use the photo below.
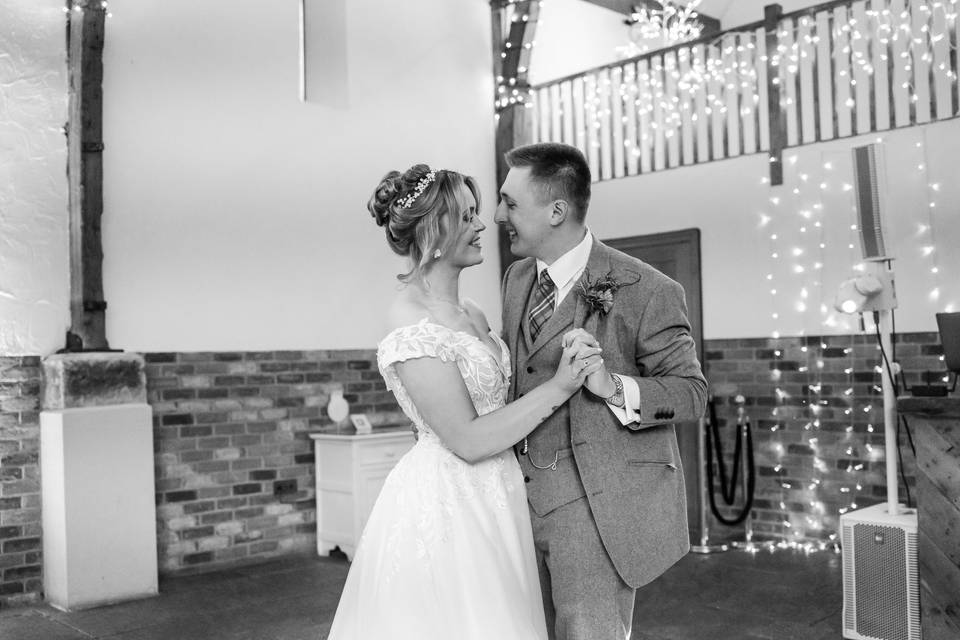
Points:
[(535, 363)]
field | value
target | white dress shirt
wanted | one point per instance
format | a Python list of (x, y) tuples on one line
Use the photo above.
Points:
[(565, 271)]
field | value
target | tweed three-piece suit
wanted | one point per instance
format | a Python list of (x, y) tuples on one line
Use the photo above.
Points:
[(607, 501)]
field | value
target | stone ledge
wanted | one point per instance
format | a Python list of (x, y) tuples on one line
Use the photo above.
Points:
[(74, 380)]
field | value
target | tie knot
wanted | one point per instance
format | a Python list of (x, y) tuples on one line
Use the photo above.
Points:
[(545, 280)]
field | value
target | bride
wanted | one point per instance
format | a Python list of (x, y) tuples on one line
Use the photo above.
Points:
[(447, 551)]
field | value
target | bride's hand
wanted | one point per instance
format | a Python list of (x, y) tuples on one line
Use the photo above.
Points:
[(577, 361), (598, 382)]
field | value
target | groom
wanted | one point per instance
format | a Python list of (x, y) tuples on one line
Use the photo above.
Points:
[(604, 481)]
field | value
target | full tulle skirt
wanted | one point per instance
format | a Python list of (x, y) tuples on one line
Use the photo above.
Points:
[(446, 553)]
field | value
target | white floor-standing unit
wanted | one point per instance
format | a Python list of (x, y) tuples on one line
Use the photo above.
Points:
[(99, 513), (881, 590)]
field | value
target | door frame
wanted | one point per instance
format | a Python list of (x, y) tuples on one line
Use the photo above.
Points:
[(683, 237), (689, 438)]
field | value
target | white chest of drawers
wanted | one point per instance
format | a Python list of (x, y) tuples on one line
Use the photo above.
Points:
[(350, 471)]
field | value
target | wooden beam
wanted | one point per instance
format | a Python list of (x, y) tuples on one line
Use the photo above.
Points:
[(85, 35), (511, 120), (776, 118)]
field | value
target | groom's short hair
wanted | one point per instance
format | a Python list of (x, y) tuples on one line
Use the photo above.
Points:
[(560, 170)]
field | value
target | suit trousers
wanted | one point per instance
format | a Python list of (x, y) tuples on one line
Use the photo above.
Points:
[(584, 597)]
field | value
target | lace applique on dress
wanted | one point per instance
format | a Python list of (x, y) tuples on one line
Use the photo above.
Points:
[(437, 492), (485, 373)]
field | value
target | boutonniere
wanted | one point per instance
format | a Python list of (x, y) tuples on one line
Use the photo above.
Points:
[(598, 294)]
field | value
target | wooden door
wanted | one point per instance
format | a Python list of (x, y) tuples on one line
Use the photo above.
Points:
[(677, 254)]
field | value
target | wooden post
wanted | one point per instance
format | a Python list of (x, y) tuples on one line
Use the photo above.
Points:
[(776, 119), (511, 59), (85, 34)]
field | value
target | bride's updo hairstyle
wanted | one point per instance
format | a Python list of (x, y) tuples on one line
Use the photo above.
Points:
[(417, 208)]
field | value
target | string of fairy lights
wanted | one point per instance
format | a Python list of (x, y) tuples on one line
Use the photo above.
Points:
[(798, 265), (509, 87), (726, 72), (854, 414)]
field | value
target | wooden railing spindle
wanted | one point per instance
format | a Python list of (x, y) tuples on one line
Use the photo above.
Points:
[(807, 80), (842, 68), (921, 97), (617, 90)]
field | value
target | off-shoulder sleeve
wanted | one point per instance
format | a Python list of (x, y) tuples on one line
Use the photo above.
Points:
[(421, 340)]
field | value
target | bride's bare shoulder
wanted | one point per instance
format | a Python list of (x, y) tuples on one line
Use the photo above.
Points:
[(476, 314), (404, 311)]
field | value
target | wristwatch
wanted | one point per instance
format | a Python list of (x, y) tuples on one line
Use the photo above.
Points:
[(616, 398)]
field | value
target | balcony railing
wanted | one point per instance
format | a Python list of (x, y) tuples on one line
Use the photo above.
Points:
[(831, 71)]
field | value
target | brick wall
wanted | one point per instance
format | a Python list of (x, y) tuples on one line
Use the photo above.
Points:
[(227, 426), (20, 559), (815, 405)]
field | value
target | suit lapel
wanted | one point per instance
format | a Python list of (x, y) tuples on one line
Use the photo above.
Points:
[(516, 303), (573, 311), (560, 320), (600, 263)]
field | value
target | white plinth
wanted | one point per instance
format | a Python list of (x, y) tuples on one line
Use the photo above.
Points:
[(99, 514)]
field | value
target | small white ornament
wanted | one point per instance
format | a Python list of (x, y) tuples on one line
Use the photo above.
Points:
[(338, 408)]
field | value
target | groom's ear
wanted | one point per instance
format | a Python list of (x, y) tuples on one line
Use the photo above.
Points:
[(558, 212)]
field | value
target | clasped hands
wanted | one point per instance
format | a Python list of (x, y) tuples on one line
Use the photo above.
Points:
[(582, 355)]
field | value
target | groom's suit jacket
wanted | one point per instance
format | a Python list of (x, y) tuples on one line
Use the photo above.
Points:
[(631, 475)]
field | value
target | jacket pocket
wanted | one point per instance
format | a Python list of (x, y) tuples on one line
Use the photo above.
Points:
[(640, 464)]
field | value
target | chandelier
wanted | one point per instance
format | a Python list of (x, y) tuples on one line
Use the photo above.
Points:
[(655, 25)]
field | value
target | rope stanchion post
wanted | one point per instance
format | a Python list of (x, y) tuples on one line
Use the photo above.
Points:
[(743, 425), (743, 465), (705, 494)]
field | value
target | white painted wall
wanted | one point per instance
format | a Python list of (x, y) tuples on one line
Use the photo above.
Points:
[(235, 214), (728, 201), (573, 36), (34, 275)]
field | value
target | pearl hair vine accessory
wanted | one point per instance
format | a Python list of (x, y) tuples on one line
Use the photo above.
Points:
[(407, 201)]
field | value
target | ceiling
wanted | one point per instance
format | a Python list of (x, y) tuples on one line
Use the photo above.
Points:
[(712, 8)]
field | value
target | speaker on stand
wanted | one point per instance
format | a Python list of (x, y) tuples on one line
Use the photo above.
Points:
[(879, 543)]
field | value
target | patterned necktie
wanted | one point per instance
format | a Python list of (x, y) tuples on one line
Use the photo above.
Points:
[(543, 301)]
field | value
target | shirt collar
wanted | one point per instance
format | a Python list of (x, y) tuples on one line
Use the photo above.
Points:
[(569, 265)]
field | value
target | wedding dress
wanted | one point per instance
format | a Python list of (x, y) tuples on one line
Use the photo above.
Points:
[(447, 552)]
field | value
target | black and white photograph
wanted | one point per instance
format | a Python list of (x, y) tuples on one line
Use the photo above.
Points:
[(479, 320)]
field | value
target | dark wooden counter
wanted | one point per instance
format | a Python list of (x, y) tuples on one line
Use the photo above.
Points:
[(935, 423)]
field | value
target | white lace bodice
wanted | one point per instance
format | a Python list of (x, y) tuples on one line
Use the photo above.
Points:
[(485, 373)]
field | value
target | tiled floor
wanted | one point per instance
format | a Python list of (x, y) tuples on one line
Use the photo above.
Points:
[(784, 595)]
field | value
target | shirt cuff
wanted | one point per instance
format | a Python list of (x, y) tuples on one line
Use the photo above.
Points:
[(630, 412)]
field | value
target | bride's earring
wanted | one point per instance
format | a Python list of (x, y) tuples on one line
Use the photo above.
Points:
[(437, 254)]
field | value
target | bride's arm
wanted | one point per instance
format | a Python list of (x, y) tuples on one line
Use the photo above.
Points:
[(441, 397)]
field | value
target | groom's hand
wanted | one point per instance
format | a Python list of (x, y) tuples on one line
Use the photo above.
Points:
[(578, 335), (599, 383)]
